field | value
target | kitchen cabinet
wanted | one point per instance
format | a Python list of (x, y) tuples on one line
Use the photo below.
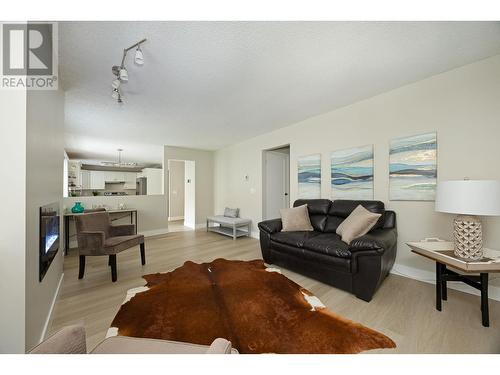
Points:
[(130, 180), (85, 179), (97, 180), (113, 176), (74, 175), (154, 177)]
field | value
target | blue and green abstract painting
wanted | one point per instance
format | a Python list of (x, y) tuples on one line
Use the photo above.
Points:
[(413, 168), (309, 175), (352, 173)]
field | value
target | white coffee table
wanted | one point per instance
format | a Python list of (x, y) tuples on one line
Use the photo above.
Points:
[(229, 226)]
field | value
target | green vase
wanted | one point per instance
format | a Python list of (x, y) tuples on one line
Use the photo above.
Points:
[(77, 208)]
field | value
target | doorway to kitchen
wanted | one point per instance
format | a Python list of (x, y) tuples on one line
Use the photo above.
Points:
[(276, 181), (181, 195)]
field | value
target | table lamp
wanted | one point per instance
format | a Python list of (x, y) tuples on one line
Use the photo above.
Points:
[(469, 199)]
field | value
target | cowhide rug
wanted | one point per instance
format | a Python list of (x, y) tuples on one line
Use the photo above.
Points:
[(256, 308)]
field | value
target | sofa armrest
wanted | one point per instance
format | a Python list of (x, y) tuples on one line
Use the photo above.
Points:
[(69, 340), (122, 230), (271, 226), (377, 240), (220, 346)]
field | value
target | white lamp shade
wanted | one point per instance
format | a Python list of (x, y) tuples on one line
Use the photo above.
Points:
[(469, 197)]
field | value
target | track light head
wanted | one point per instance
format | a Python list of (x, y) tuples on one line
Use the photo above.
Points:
[(139, 57), (117, 95), (123, 74)]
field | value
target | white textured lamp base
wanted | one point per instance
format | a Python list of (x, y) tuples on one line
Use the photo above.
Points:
[(468, 233)]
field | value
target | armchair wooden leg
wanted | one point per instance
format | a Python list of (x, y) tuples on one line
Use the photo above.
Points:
[(143, 254), (112, 260), (81, 270)]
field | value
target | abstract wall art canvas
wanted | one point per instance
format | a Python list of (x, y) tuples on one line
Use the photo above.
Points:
[(309, 176), (413, 168), (352, 173)]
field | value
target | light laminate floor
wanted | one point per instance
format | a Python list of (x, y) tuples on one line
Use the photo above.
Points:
[(403, 308)]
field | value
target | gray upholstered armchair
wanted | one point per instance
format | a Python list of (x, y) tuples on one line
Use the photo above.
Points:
[(71, 340), (96, 236)]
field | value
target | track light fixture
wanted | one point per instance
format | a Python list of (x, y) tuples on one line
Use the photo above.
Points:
[(121, 73)]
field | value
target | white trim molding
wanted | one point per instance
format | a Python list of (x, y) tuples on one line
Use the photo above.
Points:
[(175, 218), (51, 310), (154, 232)]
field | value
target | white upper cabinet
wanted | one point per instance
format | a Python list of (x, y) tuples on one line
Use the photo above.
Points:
[(130, 180), (154, 178), (97, 180), (85, 179), (113, 176)]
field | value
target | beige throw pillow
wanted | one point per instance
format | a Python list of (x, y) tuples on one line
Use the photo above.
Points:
[(296, 219), (358, 223)]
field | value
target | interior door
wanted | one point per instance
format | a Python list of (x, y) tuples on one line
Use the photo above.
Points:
[(277, 184)]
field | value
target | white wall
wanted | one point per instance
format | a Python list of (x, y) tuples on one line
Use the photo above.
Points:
[(204, 166), (44, 185), (462, 105), (176, 189), (12, 222)]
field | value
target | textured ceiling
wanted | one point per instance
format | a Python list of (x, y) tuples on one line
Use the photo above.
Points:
[(210, 84)]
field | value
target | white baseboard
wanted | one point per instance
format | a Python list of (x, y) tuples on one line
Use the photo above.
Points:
[(49, 315), (175, 218), (154, 232), (189, 225), (430, 277)]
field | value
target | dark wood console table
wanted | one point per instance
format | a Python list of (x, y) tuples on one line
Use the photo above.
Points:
[(442, 253)]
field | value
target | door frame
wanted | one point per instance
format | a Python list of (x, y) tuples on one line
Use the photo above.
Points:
[(264, 178), (187, 196)]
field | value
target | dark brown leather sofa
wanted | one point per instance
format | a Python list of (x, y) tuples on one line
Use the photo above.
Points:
[(358, 268)]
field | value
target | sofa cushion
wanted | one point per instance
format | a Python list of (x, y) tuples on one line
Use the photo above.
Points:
[(295, 219), (231, 212), (342, 208), (299, 255), (357, 224), (318, 210), (329, 244), (296, 239)]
